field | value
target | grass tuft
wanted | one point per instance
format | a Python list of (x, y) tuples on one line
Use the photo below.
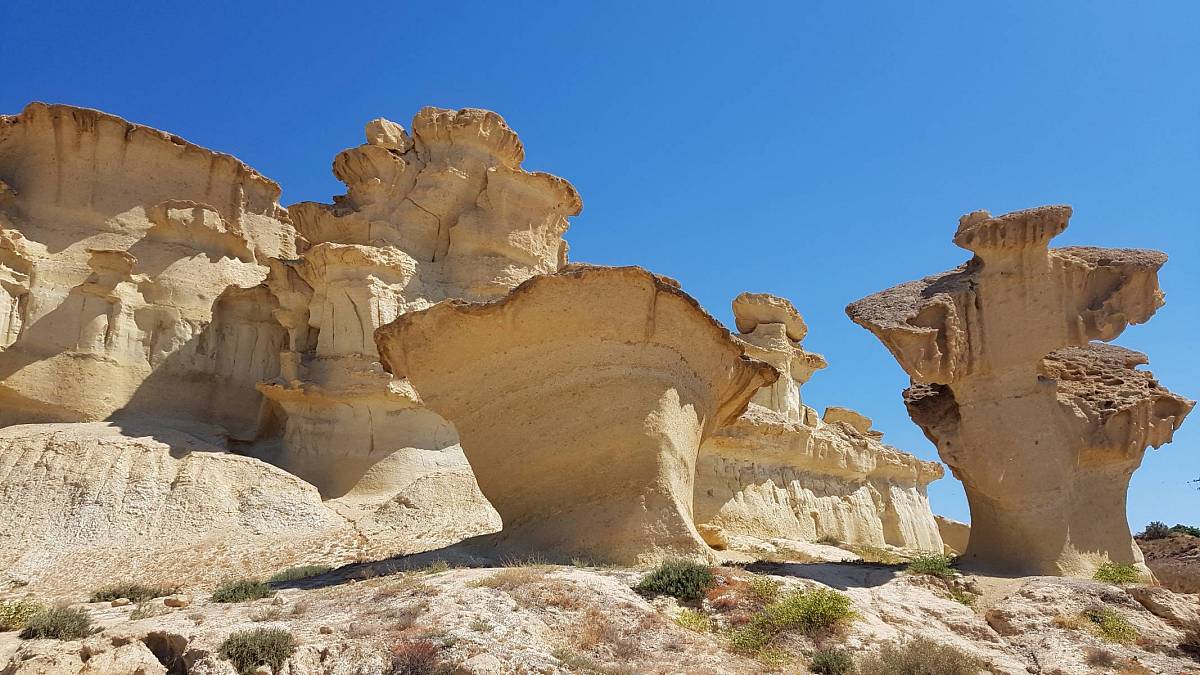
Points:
[(1117, 573), (298, 573), (694, 621), (831, 661), (241, 590), (920, 655), (57, 623), (134, 592), (248, 649), (1111, 626), (932, 564)]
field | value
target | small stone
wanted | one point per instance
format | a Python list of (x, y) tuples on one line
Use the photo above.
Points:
[(177, 600), (325, 630), (120, 602), (263, 670)]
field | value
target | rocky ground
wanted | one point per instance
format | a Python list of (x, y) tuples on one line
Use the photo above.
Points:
[(1175, 560), (533, 618)]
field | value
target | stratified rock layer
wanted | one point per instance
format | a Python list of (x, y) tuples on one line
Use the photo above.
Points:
[(780, 471), (581, 399), (1043, 426)]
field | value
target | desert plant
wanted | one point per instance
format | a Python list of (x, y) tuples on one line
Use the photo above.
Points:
[(764, 588), (1155, 530), (694, 621), (749, 639), (134, 592), (301, 572), (682, 579), (932, 564), (145, 610), (806, 611), (963, 597), (57, 623), (248, 649), (831, 661), (1117, 573), (15, 613), (510, 578), (415, 657), (919, 656), (1111, 626), (241, 590)]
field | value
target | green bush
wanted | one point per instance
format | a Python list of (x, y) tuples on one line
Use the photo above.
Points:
[(805, 611), (14, 614), (749, 639), (764, 588), (1186, 529), (932, 564), (248, 649), (1155, 530), (1117, 573), (919, 656), (241, 590), (57, 623), (301, 572), (683, 579), (831, 661), (694, 621), (1111, 626), (135, 592)]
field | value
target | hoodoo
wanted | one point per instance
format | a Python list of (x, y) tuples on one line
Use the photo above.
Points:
[(1043, 426), (581, 399), (781, 471)]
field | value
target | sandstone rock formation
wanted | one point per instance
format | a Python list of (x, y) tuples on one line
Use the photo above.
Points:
[(780, 471), (447, 212), (1043, 426), (159, 286), (955, 534), (581, 399)]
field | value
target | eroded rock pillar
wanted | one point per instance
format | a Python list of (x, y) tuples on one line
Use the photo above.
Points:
[(1043, 426), (581, 399)]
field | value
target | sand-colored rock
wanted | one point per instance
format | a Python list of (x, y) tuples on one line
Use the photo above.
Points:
[(90, 503), (130, 261), (955, 534), (581, 399), (1043, 426), (447, 212), (780, 472)]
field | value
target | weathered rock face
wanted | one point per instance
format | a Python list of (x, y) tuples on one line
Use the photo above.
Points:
[(130, 261), (780, 471), (155, 284), (444, 213), (1043, 426), (581, 399), (87, 503)]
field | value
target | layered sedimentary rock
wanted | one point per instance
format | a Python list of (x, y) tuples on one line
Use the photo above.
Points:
[(157, 285), (581, 399), (446, 212), (780, 471), (130, 261), (1043, 426)]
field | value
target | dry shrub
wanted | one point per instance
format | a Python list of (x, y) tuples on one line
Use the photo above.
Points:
[(136, 593), (271, 613), (1099, 658), (511, 578), (416, 657), (57, 623), (551, 593), (595, 629), (248, 649), (920, 656)]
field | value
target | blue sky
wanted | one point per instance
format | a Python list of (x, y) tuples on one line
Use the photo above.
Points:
[(819, 151)]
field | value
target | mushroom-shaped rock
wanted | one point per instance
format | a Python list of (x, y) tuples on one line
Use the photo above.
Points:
[(1043, 426), (771, 329), (580, 400)]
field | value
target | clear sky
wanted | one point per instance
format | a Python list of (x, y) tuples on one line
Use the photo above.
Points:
[(816, 150)]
